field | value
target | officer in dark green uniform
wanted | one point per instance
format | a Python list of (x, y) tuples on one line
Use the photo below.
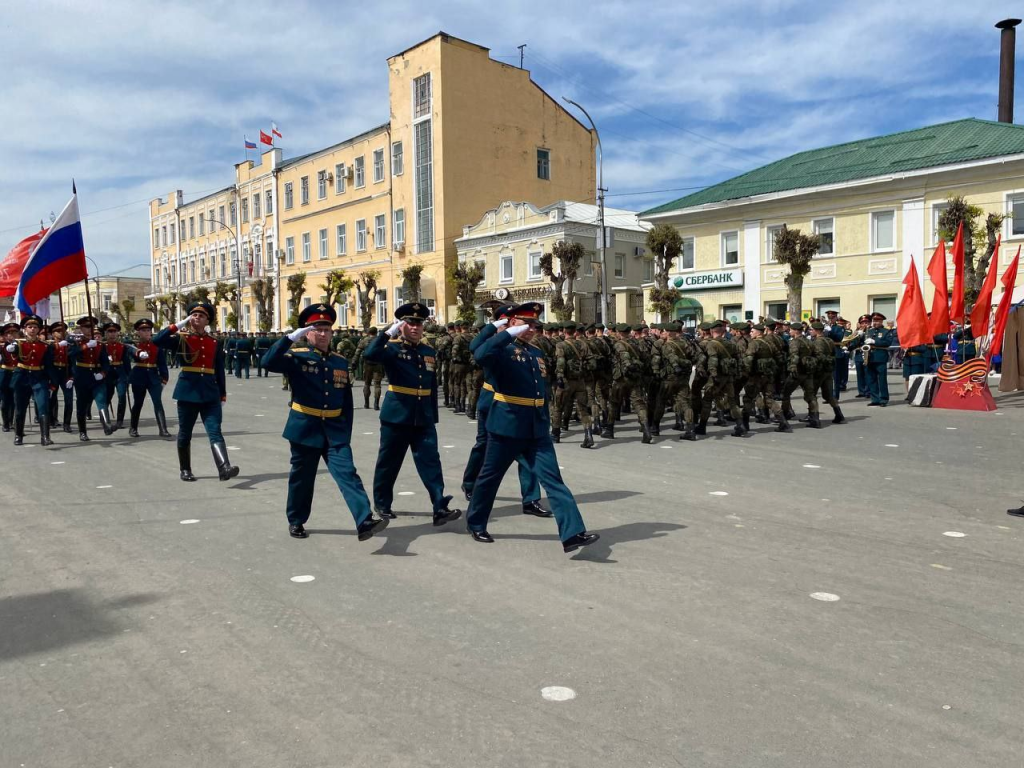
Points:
[(319, 422), (879, 339), (409, 414), (244, 347), (261, 345)]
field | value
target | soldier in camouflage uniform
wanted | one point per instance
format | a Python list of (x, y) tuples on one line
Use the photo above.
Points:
[(474, 377), (825, 376), (599, 378), (760, 363), (373, 373), (444, 360), (627, 380), (345, 346), (802, 368), (656, 405), (722, 369), (572, 360), (678, 356), (546, 342), (462, 360)]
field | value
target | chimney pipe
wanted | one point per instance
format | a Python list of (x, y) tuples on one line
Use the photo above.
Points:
[(1007, 46)]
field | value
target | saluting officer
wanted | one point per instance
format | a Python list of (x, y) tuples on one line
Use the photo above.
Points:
[(33, 379), (409, 413), (319, 422), (89, 368), (148, 374), (62, 375), (201, 389), (8, 365)]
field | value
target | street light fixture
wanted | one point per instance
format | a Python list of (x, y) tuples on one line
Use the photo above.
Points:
[(237, 265), (600, 208)]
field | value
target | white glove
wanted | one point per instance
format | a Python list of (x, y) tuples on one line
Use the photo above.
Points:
[(499, 323), (62, 343), (869, 340), (98, 376), (143, 355), (300, 334), (393, 330), (92, 344), (11, 347), (515, 330), (70, 384)]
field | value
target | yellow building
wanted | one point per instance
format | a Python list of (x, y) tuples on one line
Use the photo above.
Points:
[(509, 240), (875, 203), (106, 295), (464, 133)]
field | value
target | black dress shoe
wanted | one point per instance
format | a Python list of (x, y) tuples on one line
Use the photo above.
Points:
[(187, 476), (83, 437), (482, 536), (872, 405), (297, 532), (1019, 512), (18, 440), (534, 508), (579, 540), (387, 514), (373, 525), (446, 515)]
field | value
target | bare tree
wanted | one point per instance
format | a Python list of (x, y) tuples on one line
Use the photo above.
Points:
[(366, 289), (796, 249), (665, 244), (569, 257)]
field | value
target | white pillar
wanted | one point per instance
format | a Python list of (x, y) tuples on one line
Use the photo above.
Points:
[(913, 237), (752, 267)]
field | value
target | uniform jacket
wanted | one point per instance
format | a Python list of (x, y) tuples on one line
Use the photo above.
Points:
[(118, 359), (486, 396), (412, 381), (35, 364), (884, 338), (202, 378), (86, 361), (518, 373), (155, 366)]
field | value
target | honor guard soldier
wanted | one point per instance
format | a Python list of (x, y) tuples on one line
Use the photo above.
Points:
[(244, 348), (261, 346), (320, 421), (519, 424), (409, 414), (8, 365), (89, 368), (528, 485), (201, 389), (879, 339), (120, 368), (61, 374), (148, 375), (33, 379)]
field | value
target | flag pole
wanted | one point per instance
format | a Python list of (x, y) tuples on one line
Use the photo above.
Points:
[(60, 303)]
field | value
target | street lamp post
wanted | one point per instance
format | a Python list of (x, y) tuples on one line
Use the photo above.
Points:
[(237, 264), (600, 210)]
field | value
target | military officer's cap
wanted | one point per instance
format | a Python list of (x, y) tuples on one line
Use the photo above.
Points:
[(203, 307), (529, 310), (877, 316), (413, 311), (451, 326), (110, 324), (9, 327), (797, 326), (505, 310), (315, 315), (88, 320), (757, 326), (705, 326), (60, 325), (145, 322), (864, 319), (35, 320), (818, 326), (623, 328)]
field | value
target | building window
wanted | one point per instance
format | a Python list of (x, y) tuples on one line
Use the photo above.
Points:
[(182, 229), (360, 175), (342, 310), (323, 244), (270, 202), (884, 304), (824, 305), (231, 211), (620, 265), (684, 261), (192, 269), (246, 318), (777, 310), (883, 230), (421, 96), (289, 250), (321, 185), (289, 196), (424, 185), (361, 235), (382, 306), (825, 230), (380, 235), (396, 158), (223, 317), (533, 270), (378, 165), (544, 164), (648, 270), (202, 268), (191, 227), (156, 237), (223, 263), (730, 249), (770, 233), (482, 263), (306, 250), (342, 240), (256, 206), (398, 226), (245, 210), (220, 219), (339, 178), (171, 231), (304, 190), (505, 267), (1015, 209), (733, 313), (270, 254)]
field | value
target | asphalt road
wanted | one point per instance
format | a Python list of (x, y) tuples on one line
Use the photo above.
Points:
[(692, 634)]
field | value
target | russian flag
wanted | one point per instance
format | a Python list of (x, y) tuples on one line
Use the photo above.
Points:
[(249, 144), (58, 260)]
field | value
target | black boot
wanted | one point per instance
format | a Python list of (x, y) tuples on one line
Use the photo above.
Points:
[(678, 426), (121, 406), (746, 421), (783, 424), (472, 415), (108, 429), (838, 417), (813, 421), (737, 431), (608, 433), (44, 431), (19, 428), (656, 429), (83, 434), (161, 424), (366, 400), (588, 438), (646, 439), (185, 463), (376, 402), (556, 435), (688, 433), (702, 427), (133, 427), (220, 457), (67, 426)]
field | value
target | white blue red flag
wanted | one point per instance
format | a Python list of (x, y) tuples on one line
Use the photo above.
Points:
[(58, 260)]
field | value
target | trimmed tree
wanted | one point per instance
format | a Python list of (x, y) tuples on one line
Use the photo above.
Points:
[(153, 308), (296, 286), (263, 292), (665, 244), (366, 290), (412, 280), (202, 293), (569, 257), (979, 241), (122, 310), (336, 286), (466, 278), (796, 249)]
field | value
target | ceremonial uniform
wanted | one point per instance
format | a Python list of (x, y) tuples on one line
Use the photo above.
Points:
[(62, 375), (518, 425), (148, 375), (261, 345), (880, 340), (408, 415), (7, 367), (244, 348), (319, 424), (120, 369), (89, 368), (33, 380), (200, 391)]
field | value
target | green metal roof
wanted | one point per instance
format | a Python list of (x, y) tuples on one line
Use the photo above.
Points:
[(935, 145)]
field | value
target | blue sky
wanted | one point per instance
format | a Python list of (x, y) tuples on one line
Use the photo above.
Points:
[(135, 99)]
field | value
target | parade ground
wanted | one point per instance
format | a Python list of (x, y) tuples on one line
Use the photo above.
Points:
[(848, 596)]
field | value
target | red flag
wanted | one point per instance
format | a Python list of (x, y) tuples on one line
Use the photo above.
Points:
[(273, 130), (983, 306), (939, 321), (1003, 313), (957, 312), (265, 138), (12, 267), (911, 319)]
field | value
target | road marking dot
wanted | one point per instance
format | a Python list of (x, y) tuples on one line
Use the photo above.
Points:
[(557, 693), (825, 597), (303, 579), (234, 448), (946, 706), (954, 534), (257, 414), (1003, 527), (188, 522), (367, 433), (718, 493), (892, 445), (449, 446), (950, 427), (812, 466), (406, 493), (102, 487), (826, 499), (55, 463), (665, 446), (941, 567)]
